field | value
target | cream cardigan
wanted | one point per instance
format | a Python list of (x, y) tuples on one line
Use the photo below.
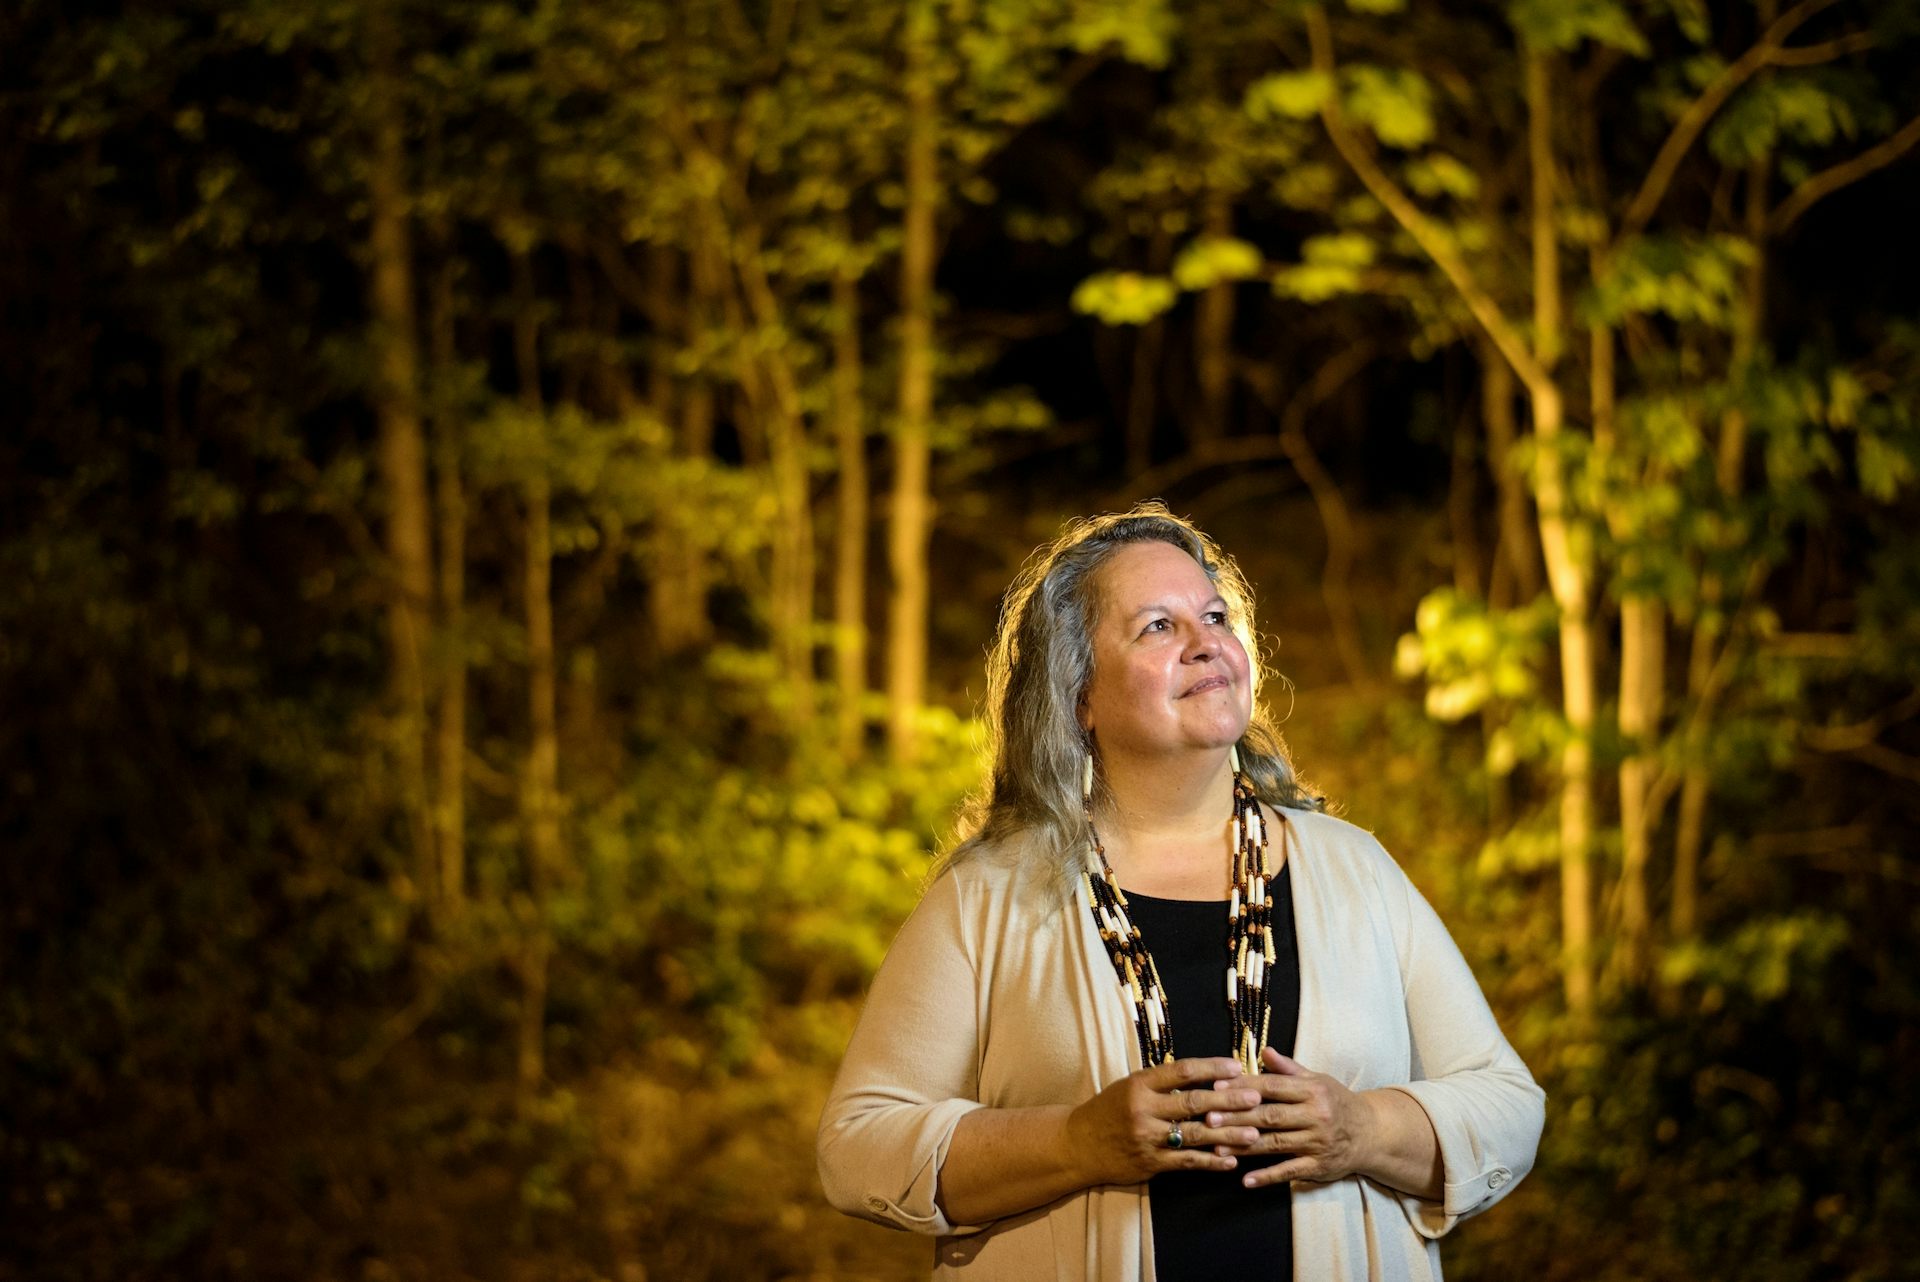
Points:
[(993, 997)]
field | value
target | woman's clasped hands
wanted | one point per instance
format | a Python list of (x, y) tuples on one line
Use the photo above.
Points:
[(1314, 1118), (1121, 1135)]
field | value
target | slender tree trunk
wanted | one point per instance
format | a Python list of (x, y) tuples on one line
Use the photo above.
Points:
[(1643, 661), (1729, 465), (793, 536), (541, 786), (450, 503), (1142, 399), (1567, 572), (692, 572), (402, 442), (672, 607), (1143, 394), (1335, 518), (1643, 623), (1569, 578), (910, 518), (1516, 574), (1576, 798), (683, 574), (1463, 522), (1463, 500), (1213, 340), (850, 537)]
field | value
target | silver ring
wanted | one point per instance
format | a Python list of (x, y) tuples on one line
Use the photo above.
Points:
[(1174, 1138)]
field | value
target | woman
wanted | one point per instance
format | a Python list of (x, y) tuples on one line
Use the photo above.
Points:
[(1158, 1017)]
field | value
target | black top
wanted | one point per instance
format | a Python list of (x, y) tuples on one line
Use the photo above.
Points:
[(1206, 1226)]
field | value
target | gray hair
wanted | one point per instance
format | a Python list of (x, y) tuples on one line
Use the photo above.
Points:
[(1038, 669)]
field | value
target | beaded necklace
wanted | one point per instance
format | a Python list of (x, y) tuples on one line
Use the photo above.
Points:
[(1249, 934)]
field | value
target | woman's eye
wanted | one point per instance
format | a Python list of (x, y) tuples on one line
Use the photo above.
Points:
[(1156, 625), (1217, 616)]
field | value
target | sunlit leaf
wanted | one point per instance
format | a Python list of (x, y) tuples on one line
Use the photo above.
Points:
[(1124, 298), (1216, 258), (1396, 103), (1291, 95)]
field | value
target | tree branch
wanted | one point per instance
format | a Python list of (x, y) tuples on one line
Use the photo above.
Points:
[(1861, 733), (1828, 181), (1701, 110), (627, 283), (1826, 51), (1158, 480), (1883, 758), (1432, 241)]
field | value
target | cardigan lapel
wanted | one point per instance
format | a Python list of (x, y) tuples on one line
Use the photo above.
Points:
[(1311, 933), (1121, 1243)]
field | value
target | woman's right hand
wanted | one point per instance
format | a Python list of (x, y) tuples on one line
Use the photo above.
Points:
[(1120, 1135)]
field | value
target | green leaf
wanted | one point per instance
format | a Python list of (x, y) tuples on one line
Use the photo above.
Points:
[(1884, 468), (1288, 95), (1562, 24), (1315, 282), (1686, 278), (1142, 30), (1438, 174), (1341, 249), (1396, 104), (1777, 109), (1216, 258), (1124, 298), (1471, 655)]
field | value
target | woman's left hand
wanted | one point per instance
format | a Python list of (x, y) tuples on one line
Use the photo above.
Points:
[(1315, 1118)]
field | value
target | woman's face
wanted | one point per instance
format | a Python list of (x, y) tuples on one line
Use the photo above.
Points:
[(1169, 675)]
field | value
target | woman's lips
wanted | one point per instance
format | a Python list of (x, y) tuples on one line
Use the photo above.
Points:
[(1201, 687)]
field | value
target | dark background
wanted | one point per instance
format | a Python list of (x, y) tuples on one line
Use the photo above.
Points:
[(440, 837)]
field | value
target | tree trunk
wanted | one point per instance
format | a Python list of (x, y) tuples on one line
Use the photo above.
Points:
[(1213, 340), (910, 518), (1643, 654), (1643, 661), (1729, 465), (1567, 572), (1463, 495), (674, 609), (1516, 575), (402, 442), (541, 786), (1463, 521), (1335, 518), (850, 536), (1569, 578), (450, 502), (784, 422), (1143, 394), (682, 574)]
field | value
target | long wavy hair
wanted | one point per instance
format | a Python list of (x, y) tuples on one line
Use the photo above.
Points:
[(1038, 669)]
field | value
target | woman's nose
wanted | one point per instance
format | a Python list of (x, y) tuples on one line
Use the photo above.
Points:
[(1204, 645)]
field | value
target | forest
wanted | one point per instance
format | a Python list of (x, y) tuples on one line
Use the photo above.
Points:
[(504, 503)]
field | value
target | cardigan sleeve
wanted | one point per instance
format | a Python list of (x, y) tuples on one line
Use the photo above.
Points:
[(910, 1074), (1486, 1109)]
